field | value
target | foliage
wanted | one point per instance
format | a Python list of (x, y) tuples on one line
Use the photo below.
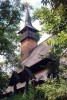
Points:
[(17, 97), (54, 3), (4, 80), (10, 16), (53, 90), (29, 96), (59, 44), (54, 21), (63, 71)]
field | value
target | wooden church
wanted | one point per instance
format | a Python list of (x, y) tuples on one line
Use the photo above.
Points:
[(38, 63)]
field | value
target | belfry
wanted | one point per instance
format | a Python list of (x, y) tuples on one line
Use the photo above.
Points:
[(28, 36)]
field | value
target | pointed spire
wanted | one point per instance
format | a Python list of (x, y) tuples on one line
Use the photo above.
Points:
[(28, 18), (28, 23)]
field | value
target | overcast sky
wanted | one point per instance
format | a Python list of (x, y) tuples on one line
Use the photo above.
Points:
[(35, 4)]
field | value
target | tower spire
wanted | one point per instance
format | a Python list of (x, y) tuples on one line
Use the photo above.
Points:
[(28, 18), (28, 24), (28, 36)]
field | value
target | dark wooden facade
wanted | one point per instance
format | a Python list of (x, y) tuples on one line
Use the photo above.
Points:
[(36, 68), (38, 72)]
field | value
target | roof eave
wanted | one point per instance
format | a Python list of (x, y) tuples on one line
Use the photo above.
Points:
[(29, 27)]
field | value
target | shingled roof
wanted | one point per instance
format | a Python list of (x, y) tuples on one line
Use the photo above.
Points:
[(39, 51)]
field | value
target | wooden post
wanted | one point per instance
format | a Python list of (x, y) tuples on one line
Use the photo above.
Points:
[(15, 89)]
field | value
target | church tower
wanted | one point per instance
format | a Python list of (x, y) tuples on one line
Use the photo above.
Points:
[(28, 36)]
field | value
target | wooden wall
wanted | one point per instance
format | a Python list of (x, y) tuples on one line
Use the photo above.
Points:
[(26, 47)]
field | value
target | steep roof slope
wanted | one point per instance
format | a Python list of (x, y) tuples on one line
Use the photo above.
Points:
[(39, 51)]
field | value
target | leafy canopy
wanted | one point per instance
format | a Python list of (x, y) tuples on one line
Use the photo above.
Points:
[(10, 16), (54, 21)]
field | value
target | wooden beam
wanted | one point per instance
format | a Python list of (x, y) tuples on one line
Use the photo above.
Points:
[(30, 73)]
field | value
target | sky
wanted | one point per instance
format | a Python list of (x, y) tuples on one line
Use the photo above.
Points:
[(35, 4), (36, 24)]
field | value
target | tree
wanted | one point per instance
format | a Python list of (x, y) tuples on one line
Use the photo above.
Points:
[(4, 80), (10, 16), (54, 3), (11, 13), (54, 21)]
